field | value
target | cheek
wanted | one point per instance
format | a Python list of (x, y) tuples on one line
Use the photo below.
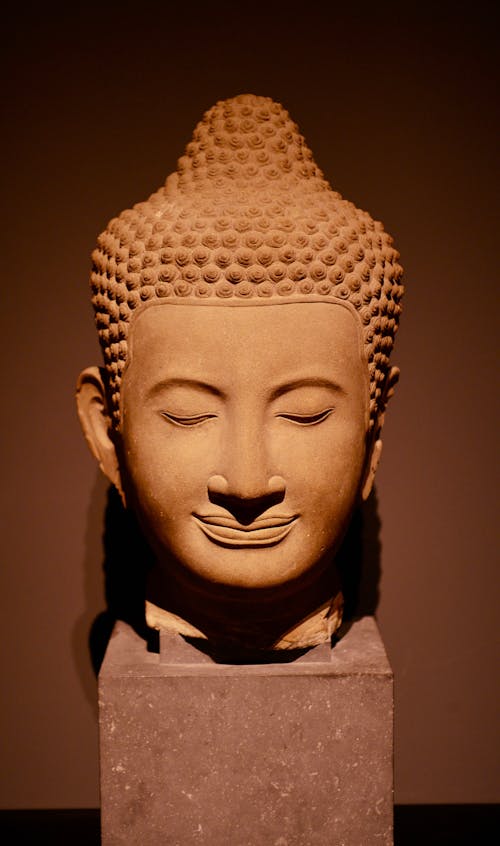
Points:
[(327, 463), (167, 471)]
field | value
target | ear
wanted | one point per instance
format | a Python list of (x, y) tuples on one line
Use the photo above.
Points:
[(96, 423), (375, 442)]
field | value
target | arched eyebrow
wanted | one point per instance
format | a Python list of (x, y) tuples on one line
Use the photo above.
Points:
[(179, 382), (314, 382)]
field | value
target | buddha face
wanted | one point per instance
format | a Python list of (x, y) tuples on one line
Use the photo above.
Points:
[(243, 442)]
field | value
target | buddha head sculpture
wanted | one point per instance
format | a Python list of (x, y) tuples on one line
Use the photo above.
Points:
[(246, 313)]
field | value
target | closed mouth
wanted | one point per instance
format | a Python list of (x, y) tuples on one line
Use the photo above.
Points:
[(225, 531)]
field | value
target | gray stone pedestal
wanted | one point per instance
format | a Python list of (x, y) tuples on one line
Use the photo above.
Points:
[(297, 754)]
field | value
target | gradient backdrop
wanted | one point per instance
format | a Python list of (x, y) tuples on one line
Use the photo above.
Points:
[(398, 105)]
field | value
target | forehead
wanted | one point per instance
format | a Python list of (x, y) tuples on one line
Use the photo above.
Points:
[(226, 343)]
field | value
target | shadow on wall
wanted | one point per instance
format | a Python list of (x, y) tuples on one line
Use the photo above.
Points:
[(127, 558), (93, 588), (358, 561)]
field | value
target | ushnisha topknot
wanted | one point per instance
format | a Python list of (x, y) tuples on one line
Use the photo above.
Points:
[(247, 215)]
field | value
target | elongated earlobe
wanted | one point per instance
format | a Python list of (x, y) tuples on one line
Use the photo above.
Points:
[(96, 423), (375, 447), (371, 469)]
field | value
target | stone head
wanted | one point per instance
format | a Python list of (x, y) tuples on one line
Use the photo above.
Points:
[(246, 313)]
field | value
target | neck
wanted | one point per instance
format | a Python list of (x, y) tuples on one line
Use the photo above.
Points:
[(302, 614)]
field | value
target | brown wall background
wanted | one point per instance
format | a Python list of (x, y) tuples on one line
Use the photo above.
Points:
[(397, 104)]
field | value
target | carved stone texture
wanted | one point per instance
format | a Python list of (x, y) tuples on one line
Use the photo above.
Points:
[(246, 314), (204, 753)]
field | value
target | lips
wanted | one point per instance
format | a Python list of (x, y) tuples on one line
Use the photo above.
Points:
[(225, 531)]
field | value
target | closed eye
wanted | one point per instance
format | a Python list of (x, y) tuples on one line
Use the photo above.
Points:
[(193, 420), (307, 419)]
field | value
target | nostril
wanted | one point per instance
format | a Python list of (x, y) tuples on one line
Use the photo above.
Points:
[(276, 484), (217, 485)]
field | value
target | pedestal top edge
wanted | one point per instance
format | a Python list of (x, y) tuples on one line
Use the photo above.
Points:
[(360, 651)]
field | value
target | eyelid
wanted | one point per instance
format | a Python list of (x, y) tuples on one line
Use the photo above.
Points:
[(186, 420), (307, 419)]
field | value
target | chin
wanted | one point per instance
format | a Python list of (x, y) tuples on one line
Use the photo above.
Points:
[(264, 569)]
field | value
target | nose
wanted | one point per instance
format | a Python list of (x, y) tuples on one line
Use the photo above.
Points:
[(246, 508), (245, 487)]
